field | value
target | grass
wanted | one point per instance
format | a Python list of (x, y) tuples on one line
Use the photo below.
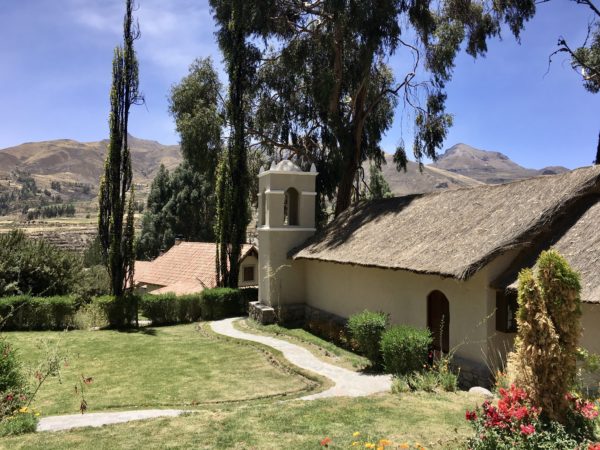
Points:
[(168, 367), (434, 420), (321, 348)]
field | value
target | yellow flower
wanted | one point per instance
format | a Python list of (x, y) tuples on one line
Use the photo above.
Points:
[(405, 445), (37, 414), (385, 442), (370, 445), (356, 434), (23, 410), (355, 443)]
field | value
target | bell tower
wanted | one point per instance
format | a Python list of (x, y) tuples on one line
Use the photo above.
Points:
[(286, 218)]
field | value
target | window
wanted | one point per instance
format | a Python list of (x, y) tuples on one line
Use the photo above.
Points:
[(290, 207), (263, 207), (506, 311), (248, 273)]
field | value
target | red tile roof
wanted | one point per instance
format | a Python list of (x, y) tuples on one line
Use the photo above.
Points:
[(186, 267)]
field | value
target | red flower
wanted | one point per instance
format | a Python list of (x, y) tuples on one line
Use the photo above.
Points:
[(471, 415), (325, 442), (527, 429), (595, 446)]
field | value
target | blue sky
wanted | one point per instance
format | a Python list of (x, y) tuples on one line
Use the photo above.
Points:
[(56, 65)]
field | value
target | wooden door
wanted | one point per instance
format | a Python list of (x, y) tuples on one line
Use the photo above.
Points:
[(438, 320)]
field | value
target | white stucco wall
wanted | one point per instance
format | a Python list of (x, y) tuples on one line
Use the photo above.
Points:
[(345, 290)]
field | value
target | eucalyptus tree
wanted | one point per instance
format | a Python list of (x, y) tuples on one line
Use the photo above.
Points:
[(116, 234), (327, 93)]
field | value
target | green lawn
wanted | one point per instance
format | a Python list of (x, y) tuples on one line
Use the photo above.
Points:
[(167, 367), (433, 420)]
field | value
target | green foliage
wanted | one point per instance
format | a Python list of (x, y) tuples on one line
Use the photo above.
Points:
[(14, 391), (52, 211), (325, 94), (182, 204), (20, 423), (168, 309), (116, 234), (119, 312), (405, 349), (545, 356), (92, 282), (378, 186), (194, 104), (92, 255), (219, 303), (37, 313), (367, 328), (35, 267), (91, 315)]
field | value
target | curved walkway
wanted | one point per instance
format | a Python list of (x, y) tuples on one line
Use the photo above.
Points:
[(347, 383)]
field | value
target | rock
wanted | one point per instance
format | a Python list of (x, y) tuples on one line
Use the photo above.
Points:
[(478, 390)]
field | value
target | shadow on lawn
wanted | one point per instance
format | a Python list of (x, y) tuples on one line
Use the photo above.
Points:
[(141, 330)]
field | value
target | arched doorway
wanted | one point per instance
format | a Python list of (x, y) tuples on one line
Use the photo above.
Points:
[(438, 320), (290, 207)]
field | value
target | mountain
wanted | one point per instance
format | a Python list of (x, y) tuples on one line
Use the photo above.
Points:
[(70, 161), (487, 167), (414, 181)]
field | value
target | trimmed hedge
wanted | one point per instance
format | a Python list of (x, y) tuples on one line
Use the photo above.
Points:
[(366, 329), (405, 349), (119, 312), (167, 309), (219, 303), (24, 312)]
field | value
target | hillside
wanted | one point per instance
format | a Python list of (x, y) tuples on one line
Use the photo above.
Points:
[(487, 167), (70, 161)]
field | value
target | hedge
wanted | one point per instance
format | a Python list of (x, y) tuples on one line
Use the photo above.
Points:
[(167, 309), (119, 312), (405, 349), (219, 303), (24, 312)]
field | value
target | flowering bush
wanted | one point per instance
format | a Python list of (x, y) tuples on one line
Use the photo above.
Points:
[(516, 423)]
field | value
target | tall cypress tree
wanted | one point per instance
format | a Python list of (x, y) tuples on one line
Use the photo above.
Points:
[(116, 235), (235, 19)]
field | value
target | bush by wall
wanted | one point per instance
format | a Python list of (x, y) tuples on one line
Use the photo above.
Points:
[(219, 303), (37, 313), (248, 295), (169, 309), (404, 349), (366, 329)]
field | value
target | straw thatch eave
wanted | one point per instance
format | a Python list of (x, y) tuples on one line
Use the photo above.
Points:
[(451, 233)]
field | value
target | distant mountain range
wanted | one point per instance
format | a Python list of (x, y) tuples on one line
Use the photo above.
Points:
[(66, 160), (69, 161), (459, 166)]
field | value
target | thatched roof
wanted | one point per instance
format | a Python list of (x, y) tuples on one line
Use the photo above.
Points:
[(580, 245), (451, 233)]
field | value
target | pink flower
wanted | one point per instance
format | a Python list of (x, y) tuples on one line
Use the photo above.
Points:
[(527, 429)]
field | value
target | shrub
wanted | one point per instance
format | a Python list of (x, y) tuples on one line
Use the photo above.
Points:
[(517, 423), (91, 315), (170, 309), (545, 356), (22, 421), (35, 267), (248, 295), (13, 388), (366, 328), (405, 349), (219, 303), (37, 313)]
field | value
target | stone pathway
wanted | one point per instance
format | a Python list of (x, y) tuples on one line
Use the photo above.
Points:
[(60, 423), (347, 383)]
